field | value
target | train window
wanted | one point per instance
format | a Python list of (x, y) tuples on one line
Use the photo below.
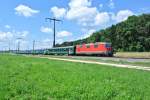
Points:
[(88, 46), (107, 45), (95, 45)]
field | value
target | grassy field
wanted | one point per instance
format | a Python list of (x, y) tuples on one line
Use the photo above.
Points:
[(133, 54), (34, 78)]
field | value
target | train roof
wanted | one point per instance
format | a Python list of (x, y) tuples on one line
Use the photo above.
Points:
[(96, 43), (62, 47)]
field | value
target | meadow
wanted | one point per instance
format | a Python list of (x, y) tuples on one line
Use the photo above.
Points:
[(30, 78)]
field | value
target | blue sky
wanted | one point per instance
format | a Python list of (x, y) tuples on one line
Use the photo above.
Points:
[(26, 19)]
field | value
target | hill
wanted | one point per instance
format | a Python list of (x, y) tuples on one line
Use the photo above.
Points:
[(130, 35)]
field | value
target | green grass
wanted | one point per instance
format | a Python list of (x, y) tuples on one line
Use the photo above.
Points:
[(34, 78)]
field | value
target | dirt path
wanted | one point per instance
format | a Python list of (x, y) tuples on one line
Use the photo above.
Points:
[(100, 63)]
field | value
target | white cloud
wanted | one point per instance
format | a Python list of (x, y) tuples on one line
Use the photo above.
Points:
[(7, 26), (11, 36), (123, 15), (111, 4), (81, 11), (24, 33), (25, 10), (46, 29), (89, 33), (79, 3), (84, 13), (64, 34), (58, 12), (102, 18), (5, 36), (21, 34)]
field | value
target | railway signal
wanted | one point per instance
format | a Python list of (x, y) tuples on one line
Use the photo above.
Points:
[(54, 20)]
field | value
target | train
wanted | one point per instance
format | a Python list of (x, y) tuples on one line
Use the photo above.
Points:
[(36, 52), (93, 49)]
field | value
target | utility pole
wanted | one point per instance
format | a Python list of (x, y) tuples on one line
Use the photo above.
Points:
[(33, 46), (9, 46), (54, 20), (18, 43), (18, 46)]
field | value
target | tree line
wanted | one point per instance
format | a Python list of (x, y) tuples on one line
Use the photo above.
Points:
[(132, 34)]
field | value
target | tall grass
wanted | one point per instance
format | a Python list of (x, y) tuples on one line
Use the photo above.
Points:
[(35, 78)]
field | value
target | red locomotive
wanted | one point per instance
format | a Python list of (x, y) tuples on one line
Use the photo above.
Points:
[(99, 48)]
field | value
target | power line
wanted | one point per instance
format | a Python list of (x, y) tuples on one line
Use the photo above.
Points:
[(54, 20)]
